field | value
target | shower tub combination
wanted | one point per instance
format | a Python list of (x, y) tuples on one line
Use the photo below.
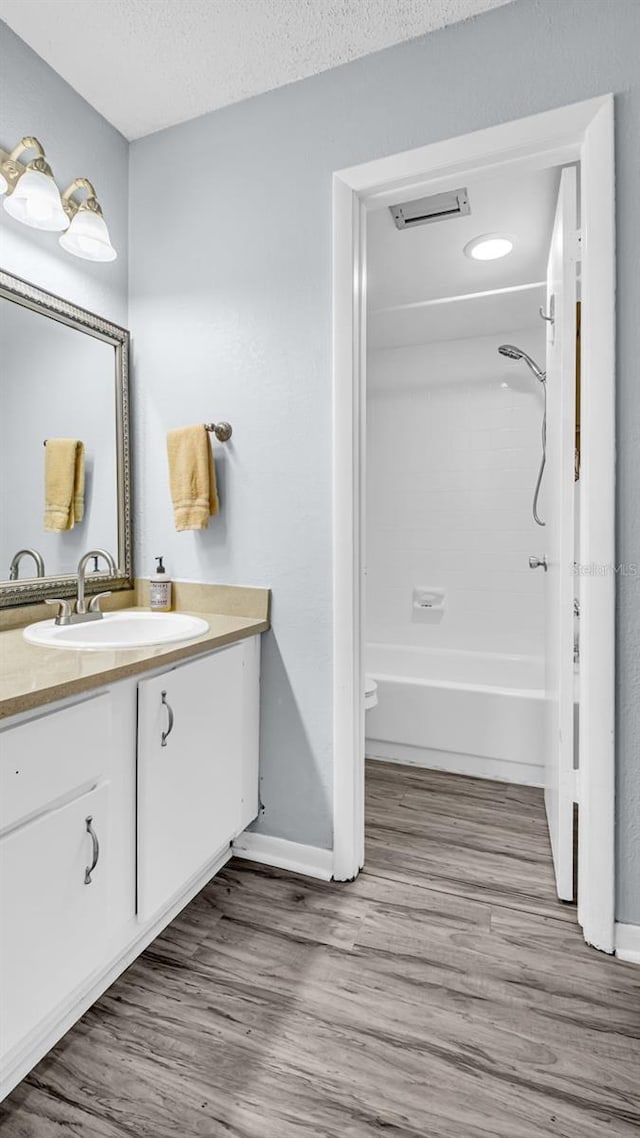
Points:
[(474, 713)]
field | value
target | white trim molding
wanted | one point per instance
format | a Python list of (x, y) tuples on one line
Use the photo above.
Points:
[(596, 820), (297, 858), (628, 943), (582, 132), (455, 762)]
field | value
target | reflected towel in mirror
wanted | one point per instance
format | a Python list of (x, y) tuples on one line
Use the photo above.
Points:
[(64, 484)]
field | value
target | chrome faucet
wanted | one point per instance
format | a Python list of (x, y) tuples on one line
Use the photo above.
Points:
[(17, 558), (65, 615), (94, 610)]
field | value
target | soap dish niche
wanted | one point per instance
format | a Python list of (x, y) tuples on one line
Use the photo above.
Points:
[(428, 600)]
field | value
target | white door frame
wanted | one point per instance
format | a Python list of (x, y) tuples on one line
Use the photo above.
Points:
[(580, 132)]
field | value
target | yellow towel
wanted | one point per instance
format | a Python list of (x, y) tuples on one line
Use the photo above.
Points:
[(64, 484), (192, 477)]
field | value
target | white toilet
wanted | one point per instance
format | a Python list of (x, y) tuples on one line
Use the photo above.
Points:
[(370, 693)]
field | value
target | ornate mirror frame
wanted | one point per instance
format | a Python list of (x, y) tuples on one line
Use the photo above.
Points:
[(33, 590)]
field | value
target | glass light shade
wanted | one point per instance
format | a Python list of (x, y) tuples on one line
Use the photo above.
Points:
[(4, 185), (88, 237), (36, 202), (490, 247)]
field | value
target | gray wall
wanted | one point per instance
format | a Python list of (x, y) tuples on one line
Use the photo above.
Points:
[(79, 143), (56, 382), (230, 292)]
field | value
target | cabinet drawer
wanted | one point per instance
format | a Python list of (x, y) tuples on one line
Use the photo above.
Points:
[(45, 759), (53, 923)]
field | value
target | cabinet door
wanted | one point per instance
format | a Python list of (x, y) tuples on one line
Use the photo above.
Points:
[(53, 912), (190, 748)]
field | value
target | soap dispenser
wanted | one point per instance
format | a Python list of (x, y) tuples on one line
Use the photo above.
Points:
[(160, 589)]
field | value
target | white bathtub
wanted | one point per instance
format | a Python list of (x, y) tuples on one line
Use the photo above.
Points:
[(475, 713)]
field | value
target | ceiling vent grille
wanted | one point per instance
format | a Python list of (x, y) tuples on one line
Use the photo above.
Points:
[(438, 207)]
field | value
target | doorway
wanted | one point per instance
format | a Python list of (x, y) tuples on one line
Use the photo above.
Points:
[(528, 151)]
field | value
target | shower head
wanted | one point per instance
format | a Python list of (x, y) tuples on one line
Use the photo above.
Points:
[(513, 353)]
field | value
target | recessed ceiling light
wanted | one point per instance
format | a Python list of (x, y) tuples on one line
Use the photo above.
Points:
[(489, 247)]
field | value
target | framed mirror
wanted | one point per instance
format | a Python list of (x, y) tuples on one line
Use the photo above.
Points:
[(64, 383)]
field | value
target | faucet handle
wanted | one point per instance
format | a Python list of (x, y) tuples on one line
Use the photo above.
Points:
[(94, 603), (64, 610)]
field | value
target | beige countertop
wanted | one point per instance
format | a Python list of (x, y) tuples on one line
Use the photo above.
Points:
[(32, 676)]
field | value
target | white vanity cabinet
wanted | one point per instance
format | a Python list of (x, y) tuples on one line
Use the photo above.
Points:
[(191, 749), (54, 860), (54, 889), (115, 810)]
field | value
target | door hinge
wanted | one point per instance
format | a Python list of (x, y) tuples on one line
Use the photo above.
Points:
[(576, 786), (576, 247)]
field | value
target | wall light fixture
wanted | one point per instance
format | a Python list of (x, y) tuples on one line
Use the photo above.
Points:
[(33, 198), (87, 235)]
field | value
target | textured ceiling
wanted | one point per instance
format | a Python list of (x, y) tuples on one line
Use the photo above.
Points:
[(147, 64)]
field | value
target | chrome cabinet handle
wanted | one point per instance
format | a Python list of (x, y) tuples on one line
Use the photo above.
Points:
[(95, 849), (166, 734)]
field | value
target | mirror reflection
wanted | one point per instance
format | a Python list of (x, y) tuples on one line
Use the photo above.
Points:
[(58, 445)]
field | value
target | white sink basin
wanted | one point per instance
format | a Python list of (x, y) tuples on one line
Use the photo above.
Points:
[(118, 630)]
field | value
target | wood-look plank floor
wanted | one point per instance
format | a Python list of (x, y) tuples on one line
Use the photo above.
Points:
[(444, 994)]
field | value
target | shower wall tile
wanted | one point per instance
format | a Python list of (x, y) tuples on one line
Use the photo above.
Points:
[(452, 460)]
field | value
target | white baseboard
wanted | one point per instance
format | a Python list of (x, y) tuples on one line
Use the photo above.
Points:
[(627, 939), (477, 766), (298, 858), (17, 1063)]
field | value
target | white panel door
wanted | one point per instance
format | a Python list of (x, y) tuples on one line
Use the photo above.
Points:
[(558, 513), (190, 749), (53, 911)]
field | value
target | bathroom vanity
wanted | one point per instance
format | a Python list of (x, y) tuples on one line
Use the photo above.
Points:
[(117, 804), (128, 758)]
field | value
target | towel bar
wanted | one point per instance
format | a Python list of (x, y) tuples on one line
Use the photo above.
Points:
[(222, 431)]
